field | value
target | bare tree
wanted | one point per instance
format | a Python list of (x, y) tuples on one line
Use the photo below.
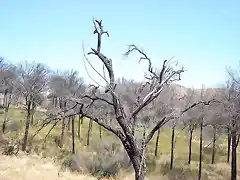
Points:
[(190, 119), (161, 111), (32, 83), (63, 85), (8, 77), (135, 145), (233, 108), (217, 123)]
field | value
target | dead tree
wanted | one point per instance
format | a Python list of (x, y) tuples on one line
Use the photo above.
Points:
[(135, 146), (32, 83), (63, 85), (161, 111), (7, 80), (234, 107), (190, 119), (201, 124)]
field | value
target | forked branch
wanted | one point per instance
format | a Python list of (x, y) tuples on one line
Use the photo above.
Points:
[(98, 29)]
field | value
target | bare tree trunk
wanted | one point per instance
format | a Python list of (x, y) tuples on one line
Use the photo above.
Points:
[(138, 164), (25, 139), (157, 141), (63, 105), (190, 145), (200, 151), (229, 145), (79, 126), (32, 113), (32, 119), (56, 101), (62, 133), (69, 124), (6, 108), (82, 121), (213, 146), (89, 131), (172, 147), (5, 119), (234, 156), (73, 137), (136, 156), (100, 132)]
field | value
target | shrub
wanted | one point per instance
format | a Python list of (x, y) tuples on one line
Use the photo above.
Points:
[(104, 165), (13, 126), (106, 162), (72, 162), (12, 148)]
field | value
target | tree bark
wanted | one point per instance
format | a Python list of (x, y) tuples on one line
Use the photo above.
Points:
[(25, 139), (234, 156), (139, 172), (157, 141), (200, 151), (172, 148), (73, 137), (79, 127), (89, 131), (136, 159), (213, 146), (190, 146), (228, 145)]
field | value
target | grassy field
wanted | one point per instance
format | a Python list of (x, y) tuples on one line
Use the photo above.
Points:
[(103, 157)]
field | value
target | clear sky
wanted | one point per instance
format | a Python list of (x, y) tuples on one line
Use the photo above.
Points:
[(202, 35)]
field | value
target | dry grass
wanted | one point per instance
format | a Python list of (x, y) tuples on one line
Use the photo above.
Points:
[(29, 167)]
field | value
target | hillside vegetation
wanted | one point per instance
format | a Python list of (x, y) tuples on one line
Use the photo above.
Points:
[(103, 157)]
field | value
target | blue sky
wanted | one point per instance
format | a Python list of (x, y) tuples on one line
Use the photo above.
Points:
[(202, 35)]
